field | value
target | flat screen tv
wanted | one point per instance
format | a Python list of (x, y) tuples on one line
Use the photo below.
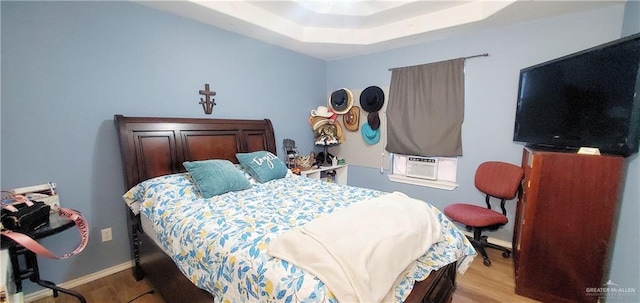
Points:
[(585, 99)]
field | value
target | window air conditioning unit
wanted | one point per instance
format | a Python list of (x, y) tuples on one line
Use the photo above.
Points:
[(422, 167)]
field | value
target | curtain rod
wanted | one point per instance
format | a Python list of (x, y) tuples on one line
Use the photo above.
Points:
[(474, 56)]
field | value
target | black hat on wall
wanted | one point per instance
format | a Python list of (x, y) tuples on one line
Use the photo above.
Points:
[(372, 99), (374, 120), (341, 101)]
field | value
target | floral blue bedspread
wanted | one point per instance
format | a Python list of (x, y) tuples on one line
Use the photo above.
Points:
[(220, 243)]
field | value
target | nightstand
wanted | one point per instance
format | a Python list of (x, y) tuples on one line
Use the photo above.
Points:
[(31, 271), (323, 172)]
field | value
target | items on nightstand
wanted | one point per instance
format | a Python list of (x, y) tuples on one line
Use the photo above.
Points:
[(17, 248), (43, 193), (24, 222), (290, 151), (323, 159), (305, 162), (24, 216), (329, 176)]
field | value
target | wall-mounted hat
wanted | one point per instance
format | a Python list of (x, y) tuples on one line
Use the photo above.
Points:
[(313, 120), (374, 120), (372, 99), (321, 111), (320, 122), (351, 119), (370, 136), (341, 101), (340, 133)]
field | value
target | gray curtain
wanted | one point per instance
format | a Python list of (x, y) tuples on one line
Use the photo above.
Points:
[(426, 109)]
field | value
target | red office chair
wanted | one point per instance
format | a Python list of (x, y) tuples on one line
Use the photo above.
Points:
[(495, 179)]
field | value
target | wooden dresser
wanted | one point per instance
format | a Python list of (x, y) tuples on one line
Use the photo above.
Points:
[(564, 222)]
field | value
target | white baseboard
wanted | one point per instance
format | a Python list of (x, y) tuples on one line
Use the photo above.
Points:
[(492, 240), (79, 281)]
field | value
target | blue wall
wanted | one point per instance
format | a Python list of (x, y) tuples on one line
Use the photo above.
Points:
[(67, 67), (491, 85), (625, 268)]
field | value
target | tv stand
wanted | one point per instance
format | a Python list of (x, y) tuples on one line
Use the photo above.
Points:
[(563, 225)]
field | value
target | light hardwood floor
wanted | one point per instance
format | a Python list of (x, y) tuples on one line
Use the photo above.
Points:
[(488, 284), (480, 284)]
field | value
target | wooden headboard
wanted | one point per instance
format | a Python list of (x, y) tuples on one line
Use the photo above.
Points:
[(152, 147)]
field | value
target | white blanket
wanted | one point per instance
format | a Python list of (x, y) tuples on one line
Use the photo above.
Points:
[(360, 251)]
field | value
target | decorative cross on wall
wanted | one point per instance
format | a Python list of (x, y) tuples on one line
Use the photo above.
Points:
[(208, 102)]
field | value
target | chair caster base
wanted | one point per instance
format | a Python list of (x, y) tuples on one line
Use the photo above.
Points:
[(506, 254), (486, 262)]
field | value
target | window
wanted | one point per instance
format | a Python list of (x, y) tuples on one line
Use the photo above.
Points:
[(439, 173), (424, 123)]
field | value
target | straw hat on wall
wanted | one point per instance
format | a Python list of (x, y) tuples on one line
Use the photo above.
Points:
[(351, 119)]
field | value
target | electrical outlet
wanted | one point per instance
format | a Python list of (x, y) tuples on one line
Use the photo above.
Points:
[(106, 235)]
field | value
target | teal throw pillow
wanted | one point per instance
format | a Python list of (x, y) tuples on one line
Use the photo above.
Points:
[(216, 177), (263, 165)]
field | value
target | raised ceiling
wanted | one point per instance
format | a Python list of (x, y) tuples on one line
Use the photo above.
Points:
[(333, 30)]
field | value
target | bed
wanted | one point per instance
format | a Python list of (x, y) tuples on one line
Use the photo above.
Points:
[(153, 150)]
